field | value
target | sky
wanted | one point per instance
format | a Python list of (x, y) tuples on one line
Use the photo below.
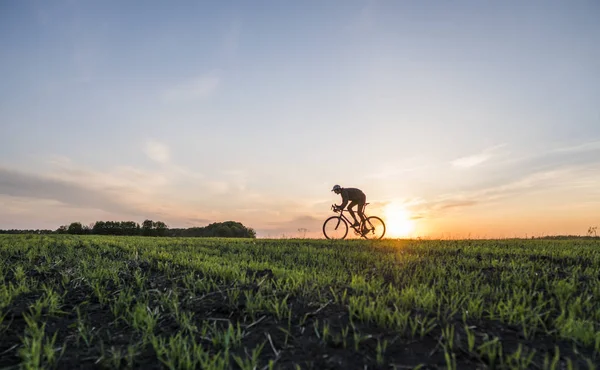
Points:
[(457, 119)]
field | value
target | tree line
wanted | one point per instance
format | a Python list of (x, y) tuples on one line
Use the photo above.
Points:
[(227, 229)]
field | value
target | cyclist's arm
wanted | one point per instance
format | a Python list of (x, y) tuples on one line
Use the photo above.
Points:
[(344, 199)]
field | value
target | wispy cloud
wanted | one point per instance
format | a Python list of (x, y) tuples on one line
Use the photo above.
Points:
[(20, 184), (583, 147), (186, 172), (120, 192), (476, 159), (121, 178), (457, 204), (238, 178), (547, 178), (26, 212), (195, 89), (470, 161), (431, 208), (172, 193), (567, 177), (157, 151)]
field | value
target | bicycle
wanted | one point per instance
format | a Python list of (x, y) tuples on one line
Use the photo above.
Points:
[(336, 227)]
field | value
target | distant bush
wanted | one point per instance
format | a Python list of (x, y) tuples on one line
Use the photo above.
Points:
[(27, 231), (227, 229)]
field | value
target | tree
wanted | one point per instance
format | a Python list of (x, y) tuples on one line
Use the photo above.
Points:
[(62, 229), (99, 228), (147, 226), (160, 228), (227, 229), (75, 228)]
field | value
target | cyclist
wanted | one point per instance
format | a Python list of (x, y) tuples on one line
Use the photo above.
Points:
[(356, 197)]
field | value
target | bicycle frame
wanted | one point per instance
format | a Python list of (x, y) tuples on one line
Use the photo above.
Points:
[(363, 229), (350, 223)]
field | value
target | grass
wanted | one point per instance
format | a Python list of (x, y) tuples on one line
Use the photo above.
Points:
[(174, 303)]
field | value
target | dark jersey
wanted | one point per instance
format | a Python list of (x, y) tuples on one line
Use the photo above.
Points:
[(353, 195)]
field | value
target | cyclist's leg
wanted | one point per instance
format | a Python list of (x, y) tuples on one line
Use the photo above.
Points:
[(361, 208), (361, 211), (350, 206)]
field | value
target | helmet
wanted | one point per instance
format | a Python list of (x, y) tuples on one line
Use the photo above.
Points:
[(336, 188)]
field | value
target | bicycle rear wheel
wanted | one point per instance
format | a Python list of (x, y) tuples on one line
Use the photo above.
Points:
[(373, 228), (335, 227)]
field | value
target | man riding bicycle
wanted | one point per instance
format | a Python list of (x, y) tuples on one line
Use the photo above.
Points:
[(356, 197)]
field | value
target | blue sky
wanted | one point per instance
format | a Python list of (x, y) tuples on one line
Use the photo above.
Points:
[(474, 117)]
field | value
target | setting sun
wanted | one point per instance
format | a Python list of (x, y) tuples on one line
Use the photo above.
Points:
[(398, 220)]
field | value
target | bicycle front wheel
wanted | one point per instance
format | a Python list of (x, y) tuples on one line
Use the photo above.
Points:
[(373, 228), (335, 227)]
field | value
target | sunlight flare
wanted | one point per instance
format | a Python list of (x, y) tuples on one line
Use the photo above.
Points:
[(398, 220)]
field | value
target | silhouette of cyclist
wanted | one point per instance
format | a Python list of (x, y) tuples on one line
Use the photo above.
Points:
[(356, 197)]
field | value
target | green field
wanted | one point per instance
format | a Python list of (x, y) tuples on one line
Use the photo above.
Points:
[(142, 302)]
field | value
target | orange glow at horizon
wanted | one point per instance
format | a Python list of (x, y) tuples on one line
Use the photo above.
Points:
[(398, 221)]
